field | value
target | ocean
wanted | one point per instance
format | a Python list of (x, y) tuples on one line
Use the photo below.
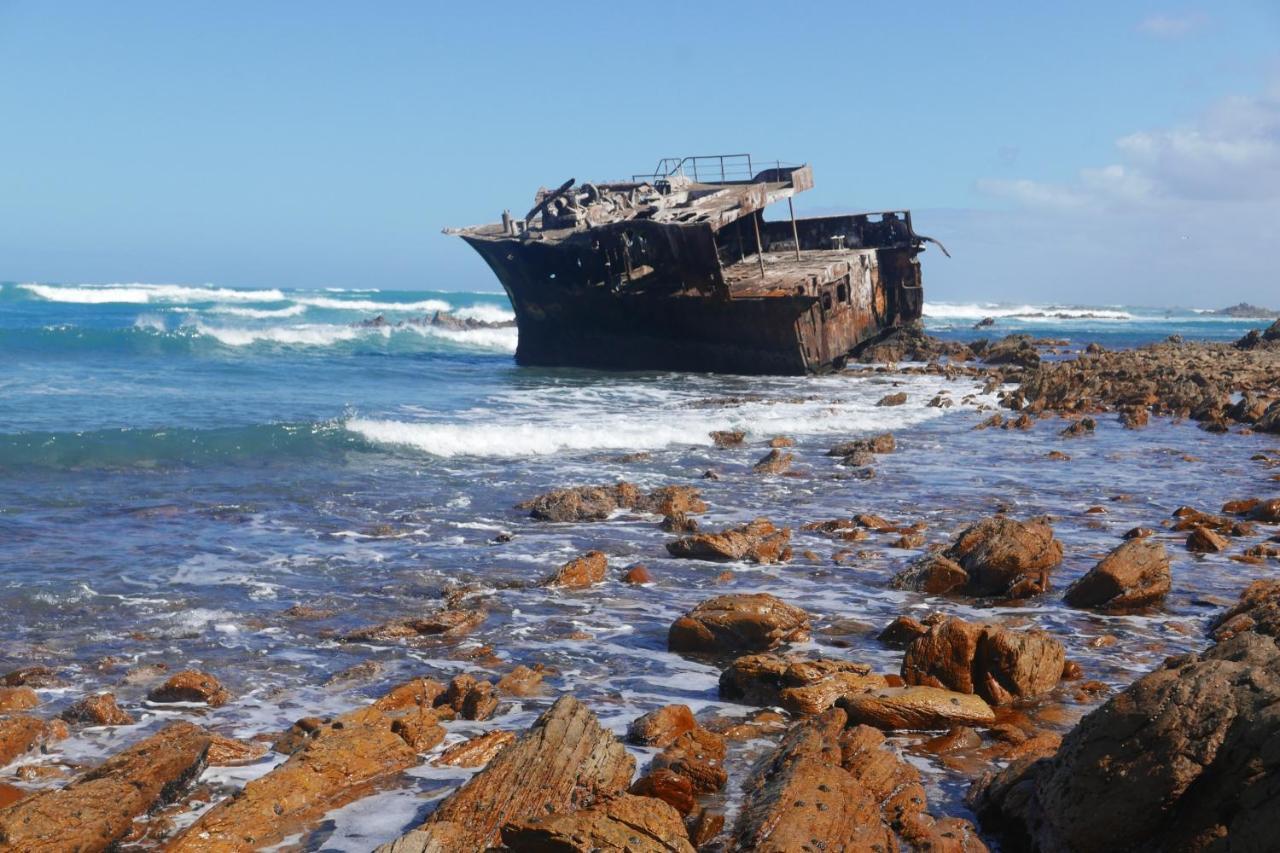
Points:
[(180, 465)]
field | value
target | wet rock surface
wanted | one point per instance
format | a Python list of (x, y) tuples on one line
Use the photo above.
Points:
[(1134, 575), (566, 761), (97, 809), (191, 685), (1182, 759), (740, 622), (756, 541), (916, 708)]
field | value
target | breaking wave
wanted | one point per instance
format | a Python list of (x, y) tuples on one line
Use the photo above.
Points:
[(979, 310), (370, 305), (566, 423), (258, 313), (98, 294)]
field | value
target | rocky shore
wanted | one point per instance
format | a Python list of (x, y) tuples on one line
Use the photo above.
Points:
[(804, 746)]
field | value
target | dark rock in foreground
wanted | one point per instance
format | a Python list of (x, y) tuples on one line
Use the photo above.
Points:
[(1185, 758)]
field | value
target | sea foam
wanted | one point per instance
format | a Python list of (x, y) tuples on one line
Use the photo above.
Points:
[(96, 294)]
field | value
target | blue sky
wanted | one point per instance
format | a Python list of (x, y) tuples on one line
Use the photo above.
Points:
[(1097, 152)]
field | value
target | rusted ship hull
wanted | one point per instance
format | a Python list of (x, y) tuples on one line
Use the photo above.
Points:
[(657, 330), (673, 272)]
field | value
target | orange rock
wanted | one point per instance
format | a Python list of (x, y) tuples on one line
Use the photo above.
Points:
[(581, 571), (622, 823), (661, 727), (638, 574), (332, 768), (98, 808), (228, 752), (191, 685), (757, 542), (99, 709), (478, 751), (522, 681), (566, 759), (21, 733), (742, 622), (18, 699), (672, 788)]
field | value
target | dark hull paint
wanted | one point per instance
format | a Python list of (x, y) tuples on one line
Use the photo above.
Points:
[(665, 327)]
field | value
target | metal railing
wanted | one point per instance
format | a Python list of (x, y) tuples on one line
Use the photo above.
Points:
[(705, 168)]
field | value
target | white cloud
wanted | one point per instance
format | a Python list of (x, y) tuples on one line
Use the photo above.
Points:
[(1231, 153), (1168, 26)]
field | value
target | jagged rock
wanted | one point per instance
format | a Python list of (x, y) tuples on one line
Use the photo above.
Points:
[(800, 798), (229, 752), (522, 681), (774, 462), (565, 761), (662, 726), (1003, 556), (447, 624), (728, 438), (1205, 541), (896, 399), (191, 685), (21, 733), (672, 788), (31, 676), (738, 622), (1017, 350), (333, 767), (932, 573), (622, 824), (757, 542), (97, 809), (910, 343), (581, 503), (596, 503), (18, 699), (468, 698), (697, 755), (1268, 512), (581, 571), (1257, 610), (918, 708), (996, 663), (800, 686), (1134, 575), (883, 443), (1182, 759), (97, 710), (478, 751), (901, 631)]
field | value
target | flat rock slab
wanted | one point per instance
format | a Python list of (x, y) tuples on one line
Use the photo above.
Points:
[(97, 809), (917, 708)]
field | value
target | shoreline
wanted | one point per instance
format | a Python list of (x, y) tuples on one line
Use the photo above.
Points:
[(1221, 387)]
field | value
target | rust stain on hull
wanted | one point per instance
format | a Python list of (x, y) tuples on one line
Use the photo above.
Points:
[(679, 271)]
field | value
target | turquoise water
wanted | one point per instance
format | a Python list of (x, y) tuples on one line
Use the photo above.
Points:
[(179, 465)]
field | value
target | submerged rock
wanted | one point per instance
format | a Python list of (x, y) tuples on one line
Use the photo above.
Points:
[(738, 622), (774, 462), (581, 571), (191, 685), (97, 710), (1134, 575), (756, 541), (597, 503)]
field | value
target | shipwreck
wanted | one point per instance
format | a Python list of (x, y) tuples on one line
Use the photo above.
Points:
[(678, 269)]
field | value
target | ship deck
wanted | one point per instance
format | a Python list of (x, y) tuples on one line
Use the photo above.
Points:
[(785, 275)]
